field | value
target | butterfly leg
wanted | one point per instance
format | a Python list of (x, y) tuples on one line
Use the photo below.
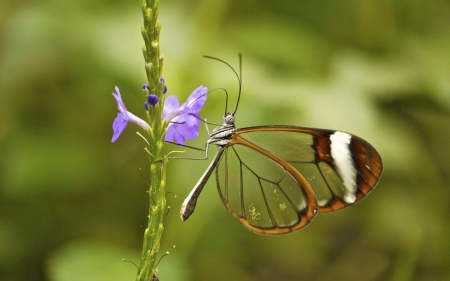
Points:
[(188, 206), (206, 125)]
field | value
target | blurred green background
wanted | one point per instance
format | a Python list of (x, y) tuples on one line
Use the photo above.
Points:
[(71, 203)]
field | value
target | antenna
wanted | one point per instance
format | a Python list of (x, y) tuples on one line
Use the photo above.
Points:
[(239, 77), (240, 82)]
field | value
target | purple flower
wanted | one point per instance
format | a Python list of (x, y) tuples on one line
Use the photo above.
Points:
[(152, 99), (185, 119), (162, 80), (123, 117)]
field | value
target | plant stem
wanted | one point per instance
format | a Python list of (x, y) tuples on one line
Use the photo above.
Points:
[(157, 206)]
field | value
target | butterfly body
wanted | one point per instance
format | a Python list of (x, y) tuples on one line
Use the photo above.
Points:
[(222, 135)]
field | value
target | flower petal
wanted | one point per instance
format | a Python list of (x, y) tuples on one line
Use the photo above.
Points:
[(192, 119), (170, 105), (174, 134), (120, 105), (179, 137), (185, 119), (170, 133), (197, 99), (119, 125)]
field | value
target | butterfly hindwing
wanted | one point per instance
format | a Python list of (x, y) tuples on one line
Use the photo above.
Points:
[(264, 192)]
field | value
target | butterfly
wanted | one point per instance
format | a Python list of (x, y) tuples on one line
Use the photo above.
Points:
[(276, 179)]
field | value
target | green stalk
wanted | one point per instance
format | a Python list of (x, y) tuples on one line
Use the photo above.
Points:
[(157, 206)]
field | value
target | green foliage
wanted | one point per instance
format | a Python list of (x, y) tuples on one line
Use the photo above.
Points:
[(71, 203)]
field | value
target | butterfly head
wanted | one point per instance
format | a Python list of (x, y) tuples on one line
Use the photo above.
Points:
[(228, 119)]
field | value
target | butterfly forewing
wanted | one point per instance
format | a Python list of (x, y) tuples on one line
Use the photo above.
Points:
[(339, 167), (258, 190)]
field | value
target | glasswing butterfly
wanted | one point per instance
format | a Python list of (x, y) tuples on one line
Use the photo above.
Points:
[(275, 179)]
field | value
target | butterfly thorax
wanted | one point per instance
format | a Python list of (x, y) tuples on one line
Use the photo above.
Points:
[(222, 135)]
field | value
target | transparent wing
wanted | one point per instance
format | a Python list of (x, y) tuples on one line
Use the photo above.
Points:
[(339, 167), (264, 192)]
